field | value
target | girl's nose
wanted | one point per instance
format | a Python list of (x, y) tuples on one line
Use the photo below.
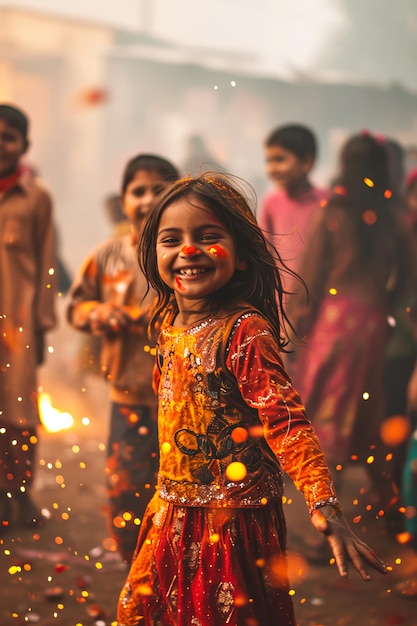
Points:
[(189, 251)]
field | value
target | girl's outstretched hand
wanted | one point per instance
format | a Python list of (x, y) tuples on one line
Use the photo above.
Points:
[(345, 545)]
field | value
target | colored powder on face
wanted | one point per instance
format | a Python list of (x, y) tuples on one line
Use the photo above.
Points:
[(217, 250), (189, 250), (179, 283)]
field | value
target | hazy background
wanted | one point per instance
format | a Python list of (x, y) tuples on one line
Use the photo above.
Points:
[(105, 79)]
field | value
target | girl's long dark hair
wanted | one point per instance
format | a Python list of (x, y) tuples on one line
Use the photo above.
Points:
[(259, 285)]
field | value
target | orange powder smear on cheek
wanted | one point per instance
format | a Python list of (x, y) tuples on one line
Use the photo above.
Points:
[(217, 250), (179, 283)]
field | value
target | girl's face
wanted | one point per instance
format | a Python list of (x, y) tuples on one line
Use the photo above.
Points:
[(139, 196), (196, 255)]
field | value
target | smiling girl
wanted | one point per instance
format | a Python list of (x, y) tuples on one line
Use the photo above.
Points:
[(212, 546)]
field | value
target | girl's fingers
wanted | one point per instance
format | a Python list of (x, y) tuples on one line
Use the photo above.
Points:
[(372, 558), (339, 554), (356, 559)]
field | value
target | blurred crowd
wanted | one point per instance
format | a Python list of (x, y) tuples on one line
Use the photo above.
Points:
[(349, 263)]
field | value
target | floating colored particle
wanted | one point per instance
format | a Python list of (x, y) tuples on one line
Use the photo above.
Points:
[(369, 217), (166, 447), (144, 590), (298, 567), (236, 471), (239, 434), (395, 430)]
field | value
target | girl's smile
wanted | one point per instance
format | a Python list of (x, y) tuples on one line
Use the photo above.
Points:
[(196, 255)]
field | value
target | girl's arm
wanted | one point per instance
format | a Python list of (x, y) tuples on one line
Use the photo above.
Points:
[(254, 360)]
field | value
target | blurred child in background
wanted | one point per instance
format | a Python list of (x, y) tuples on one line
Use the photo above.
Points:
[(357, 266), (286, 212), (27, 311), (109, 298)]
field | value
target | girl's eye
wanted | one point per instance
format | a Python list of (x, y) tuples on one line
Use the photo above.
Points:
[(169, 241), (209, 237)]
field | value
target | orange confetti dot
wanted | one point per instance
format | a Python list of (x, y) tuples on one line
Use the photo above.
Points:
[(119, 522), (133, 418), (239, 434), (236, 471), (395, 430), (240, 599), (341, 191), (256, 431), (298, 567), (369, 217), (387, 194), (404, 538)]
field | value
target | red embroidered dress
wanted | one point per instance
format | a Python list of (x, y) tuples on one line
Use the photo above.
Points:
[(208, 541)]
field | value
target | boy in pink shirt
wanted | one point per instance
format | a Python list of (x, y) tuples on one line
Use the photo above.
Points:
[(286, 213)]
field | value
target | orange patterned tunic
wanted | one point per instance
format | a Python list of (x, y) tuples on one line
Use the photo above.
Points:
[(226, 405)]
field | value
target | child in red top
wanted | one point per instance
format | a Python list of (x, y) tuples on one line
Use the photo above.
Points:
[(212, 545)]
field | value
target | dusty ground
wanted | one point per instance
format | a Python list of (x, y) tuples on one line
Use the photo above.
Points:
[(66, 573)]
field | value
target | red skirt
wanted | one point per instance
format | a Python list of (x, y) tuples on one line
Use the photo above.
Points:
[(197, 566)]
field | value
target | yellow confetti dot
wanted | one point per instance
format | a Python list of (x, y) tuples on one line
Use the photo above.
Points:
[(368, 182), (332, 291), (144, 590), (236, 471), (166, 447)]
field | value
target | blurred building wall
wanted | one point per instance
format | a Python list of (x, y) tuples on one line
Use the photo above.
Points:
[(97, 95)]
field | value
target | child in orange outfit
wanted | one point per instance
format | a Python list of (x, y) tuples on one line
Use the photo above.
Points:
[(212, 545), (109, 299)]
